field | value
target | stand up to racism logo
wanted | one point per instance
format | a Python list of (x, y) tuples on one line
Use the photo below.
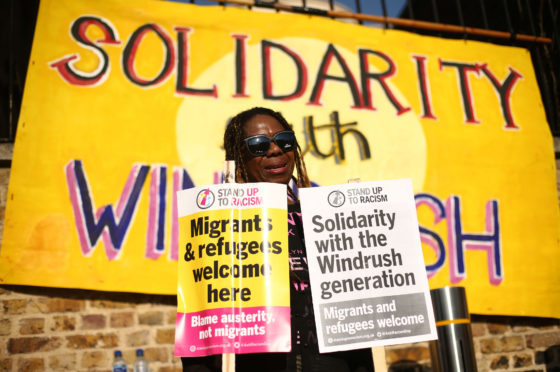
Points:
[(205, 199), (336, 198)]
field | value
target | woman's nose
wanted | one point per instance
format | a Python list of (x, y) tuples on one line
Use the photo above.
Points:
[(274, 149)]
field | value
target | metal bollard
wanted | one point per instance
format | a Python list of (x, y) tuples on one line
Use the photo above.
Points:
[(454, 350)]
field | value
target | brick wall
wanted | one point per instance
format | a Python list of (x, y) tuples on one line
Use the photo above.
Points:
[(501, 344), (49, 329)]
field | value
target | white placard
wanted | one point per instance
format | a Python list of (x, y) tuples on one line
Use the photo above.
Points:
[(367, 272)]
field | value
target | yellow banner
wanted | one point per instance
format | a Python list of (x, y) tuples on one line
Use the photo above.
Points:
[(125, 103)]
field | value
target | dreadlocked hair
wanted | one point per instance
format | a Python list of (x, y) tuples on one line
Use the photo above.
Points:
[(233, 142)]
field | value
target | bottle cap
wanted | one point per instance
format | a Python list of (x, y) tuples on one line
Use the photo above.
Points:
[(118, 353), (139, 352)]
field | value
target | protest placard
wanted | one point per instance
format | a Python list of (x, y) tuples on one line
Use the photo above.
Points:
[(233, 280), (368, 278)]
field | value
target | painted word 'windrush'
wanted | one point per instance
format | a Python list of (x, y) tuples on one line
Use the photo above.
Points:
[(112, 224), (357, 80), (459, 241)]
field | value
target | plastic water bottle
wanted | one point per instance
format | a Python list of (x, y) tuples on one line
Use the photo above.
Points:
[(119, 364), (140, 364)]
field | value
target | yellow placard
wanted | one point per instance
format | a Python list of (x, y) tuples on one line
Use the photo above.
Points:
[(233, 292), (233, 268), (125, 104)]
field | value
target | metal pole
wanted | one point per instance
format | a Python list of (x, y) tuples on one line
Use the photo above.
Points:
[(400, 22), (454, 350)]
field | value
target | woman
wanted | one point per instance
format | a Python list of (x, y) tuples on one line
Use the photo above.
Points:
[(265, 149)]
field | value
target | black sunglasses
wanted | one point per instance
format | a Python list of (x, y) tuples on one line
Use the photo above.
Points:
[(260, 144)]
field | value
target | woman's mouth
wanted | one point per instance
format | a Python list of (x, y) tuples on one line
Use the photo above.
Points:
[(276, 168)]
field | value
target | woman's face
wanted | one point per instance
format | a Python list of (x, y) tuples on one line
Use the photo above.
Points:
[(276, 166)]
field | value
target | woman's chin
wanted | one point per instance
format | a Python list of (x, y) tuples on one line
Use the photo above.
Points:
[(274, 178)]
